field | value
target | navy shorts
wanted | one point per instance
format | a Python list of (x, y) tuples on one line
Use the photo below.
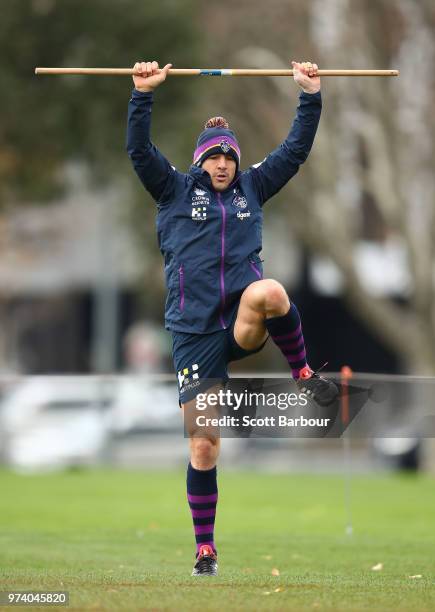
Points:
[(200, 360)]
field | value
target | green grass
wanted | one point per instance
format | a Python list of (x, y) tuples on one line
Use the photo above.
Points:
[(123, 541)]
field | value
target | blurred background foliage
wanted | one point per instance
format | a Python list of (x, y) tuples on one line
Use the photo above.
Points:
[(47, 121)]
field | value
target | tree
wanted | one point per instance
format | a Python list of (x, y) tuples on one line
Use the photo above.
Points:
[(47, 121), (370, 175)]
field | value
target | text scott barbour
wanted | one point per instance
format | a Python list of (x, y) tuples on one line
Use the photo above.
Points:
[(267, 421), (230, 399)]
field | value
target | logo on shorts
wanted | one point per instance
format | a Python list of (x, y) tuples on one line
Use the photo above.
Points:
[(184, 377)]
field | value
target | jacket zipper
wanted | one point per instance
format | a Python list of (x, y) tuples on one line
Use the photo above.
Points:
[(222, 276), (181, 281)]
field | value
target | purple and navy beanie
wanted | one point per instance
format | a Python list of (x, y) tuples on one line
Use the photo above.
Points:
[(216, 138)]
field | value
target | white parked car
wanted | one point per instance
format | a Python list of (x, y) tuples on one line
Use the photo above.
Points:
[(50, 422)]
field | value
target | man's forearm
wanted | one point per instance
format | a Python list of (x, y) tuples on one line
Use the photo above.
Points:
[(283, 163), (139, 124), (301, 136), (153, 169)]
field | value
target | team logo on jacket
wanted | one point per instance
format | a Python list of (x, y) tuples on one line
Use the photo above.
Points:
[(239, 201)]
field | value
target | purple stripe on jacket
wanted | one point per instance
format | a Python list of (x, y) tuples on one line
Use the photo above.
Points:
[(222, 274), (255, 269), (181, 280)]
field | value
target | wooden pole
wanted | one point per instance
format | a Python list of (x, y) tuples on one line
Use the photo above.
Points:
[(249, 72)]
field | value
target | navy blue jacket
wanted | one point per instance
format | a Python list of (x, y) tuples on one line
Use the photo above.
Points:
[(211, 240)]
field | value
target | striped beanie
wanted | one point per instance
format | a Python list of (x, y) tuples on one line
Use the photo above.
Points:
[(216, 138)]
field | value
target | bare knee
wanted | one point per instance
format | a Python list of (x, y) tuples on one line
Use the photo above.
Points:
[(270, 297), (203, 453)]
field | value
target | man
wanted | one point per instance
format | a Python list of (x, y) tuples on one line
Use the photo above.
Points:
[(219, 308)]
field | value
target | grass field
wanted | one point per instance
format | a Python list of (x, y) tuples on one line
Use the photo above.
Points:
[(123, 541)]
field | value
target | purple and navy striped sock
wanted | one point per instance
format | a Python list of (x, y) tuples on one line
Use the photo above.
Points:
[(202, 494), (286, 332)]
